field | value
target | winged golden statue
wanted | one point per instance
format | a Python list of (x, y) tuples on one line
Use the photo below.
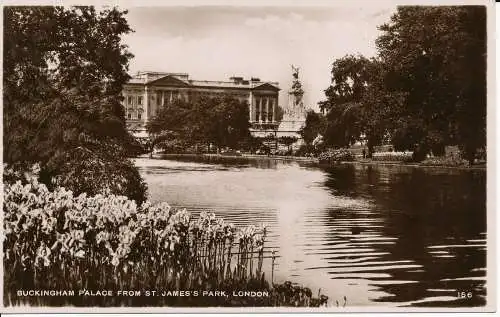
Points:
[(295, 71)]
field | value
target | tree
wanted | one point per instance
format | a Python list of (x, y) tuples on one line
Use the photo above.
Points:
[(435, 58), (180, 120), (425, 89), (379, 106), (229, 122), (221, 121), (346, 114), (315, 124), (63, 74)]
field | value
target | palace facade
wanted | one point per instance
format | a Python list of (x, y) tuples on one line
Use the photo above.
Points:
[(147, 92)]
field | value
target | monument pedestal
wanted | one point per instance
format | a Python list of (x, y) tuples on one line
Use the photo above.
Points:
[(290, 127), (294, 117)]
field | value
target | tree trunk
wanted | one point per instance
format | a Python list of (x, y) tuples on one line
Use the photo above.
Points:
[(420, 152), (371, 148), (470, 154)]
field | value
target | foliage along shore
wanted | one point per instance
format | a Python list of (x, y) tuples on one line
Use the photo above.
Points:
[(312, 160)]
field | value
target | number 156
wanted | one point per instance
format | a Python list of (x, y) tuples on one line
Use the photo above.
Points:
[(463, 295)]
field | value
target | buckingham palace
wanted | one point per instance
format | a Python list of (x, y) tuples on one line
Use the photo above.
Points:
[(147, 92)]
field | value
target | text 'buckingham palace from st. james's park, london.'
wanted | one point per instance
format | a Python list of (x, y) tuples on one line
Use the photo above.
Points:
[(146, 92)]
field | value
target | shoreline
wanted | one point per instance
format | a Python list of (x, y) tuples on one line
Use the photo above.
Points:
[(392, 163), (315, 160)]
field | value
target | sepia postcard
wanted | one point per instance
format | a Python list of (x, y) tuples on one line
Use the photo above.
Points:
[(248, 156)]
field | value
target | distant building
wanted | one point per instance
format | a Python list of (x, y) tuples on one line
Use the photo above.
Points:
[(146, 92)]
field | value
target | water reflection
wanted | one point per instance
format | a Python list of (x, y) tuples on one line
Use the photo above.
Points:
[(231, 161), (379, 235), (434, 217)]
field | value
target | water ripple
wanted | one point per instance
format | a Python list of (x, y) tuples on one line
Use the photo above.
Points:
[(377, 235)]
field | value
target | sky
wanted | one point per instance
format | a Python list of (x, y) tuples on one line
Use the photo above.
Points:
[(217, 42)]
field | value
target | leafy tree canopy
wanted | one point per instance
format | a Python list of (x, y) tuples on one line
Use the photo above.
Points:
[(63, 74), (436, 58), (425, 89), (222, 121), (315, 124), (351, 78)]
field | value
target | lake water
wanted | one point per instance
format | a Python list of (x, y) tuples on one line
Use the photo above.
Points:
[(378, 235)]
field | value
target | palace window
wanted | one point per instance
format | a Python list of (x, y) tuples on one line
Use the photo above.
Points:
[(271, 110), (159, 98), (130, 100), (264, 109), (257, 110), (139, 100), (130, 111), (139, 116)]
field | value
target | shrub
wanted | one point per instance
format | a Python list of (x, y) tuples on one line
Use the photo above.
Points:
[(287, 294), (392, 156), (452, 161), (306, 150), (86, 171), (135, 147), (283, 152), (337, 155), (94, 173), (264, 149)]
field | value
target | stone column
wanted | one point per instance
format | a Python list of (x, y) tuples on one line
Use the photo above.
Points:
[(273, 106), (267, 109), (257, 102), (145, 105), (250, 107), (154, 105), (260, 109)]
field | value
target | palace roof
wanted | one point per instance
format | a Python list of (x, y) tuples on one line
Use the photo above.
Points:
[(182, 79)]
